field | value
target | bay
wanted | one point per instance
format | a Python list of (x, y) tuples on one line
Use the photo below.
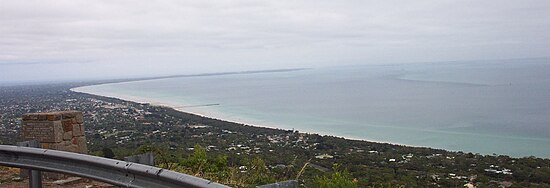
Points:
[(487, 107)]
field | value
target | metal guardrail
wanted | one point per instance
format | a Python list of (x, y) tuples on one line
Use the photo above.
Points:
[(120, 173)]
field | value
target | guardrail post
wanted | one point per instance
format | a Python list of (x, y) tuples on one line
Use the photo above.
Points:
[(35, 179), (35, 176)]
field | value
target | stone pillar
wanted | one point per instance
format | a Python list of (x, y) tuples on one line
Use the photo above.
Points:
[(56, 130)]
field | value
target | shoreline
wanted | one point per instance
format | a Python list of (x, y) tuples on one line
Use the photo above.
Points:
[(203, 110), (220, 116)]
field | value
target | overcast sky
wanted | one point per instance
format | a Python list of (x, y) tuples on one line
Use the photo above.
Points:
[(70, 39)]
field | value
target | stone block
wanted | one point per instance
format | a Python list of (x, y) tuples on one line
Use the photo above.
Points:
[(76, 130), (30, 117), (45, 145), (42, 117), (58, 131), (53, 117), (62, 145), (74, 140), (43, 131), (68, 135), (67, 125), (82, 130), (53, 146), (66, 142), (48, 116), (71, 148), (69, 114), (81, 143), (79, 118)]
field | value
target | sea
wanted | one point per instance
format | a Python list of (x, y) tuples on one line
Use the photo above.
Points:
[(491, 107)]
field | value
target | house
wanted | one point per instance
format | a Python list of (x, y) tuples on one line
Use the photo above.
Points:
[(324, 156)]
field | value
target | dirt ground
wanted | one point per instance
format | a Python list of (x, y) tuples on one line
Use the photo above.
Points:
[(9, 177)]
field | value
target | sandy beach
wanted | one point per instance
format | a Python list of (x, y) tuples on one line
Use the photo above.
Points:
[(210, 113)]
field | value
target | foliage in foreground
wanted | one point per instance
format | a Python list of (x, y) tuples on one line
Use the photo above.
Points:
[(251, 173), (339, 179)]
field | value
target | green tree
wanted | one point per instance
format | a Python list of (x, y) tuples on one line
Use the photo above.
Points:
[(258, 173), (198, 160), (338, 179), (108, 153)]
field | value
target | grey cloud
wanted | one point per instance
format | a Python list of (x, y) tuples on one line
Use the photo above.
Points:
[(179, 37), (16, 63)]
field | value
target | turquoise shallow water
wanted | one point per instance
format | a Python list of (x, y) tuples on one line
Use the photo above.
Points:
[(484, 107)]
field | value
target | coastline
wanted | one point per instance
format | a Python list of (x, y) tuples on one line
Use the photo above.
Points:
[(205, 110), (192, 109)]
